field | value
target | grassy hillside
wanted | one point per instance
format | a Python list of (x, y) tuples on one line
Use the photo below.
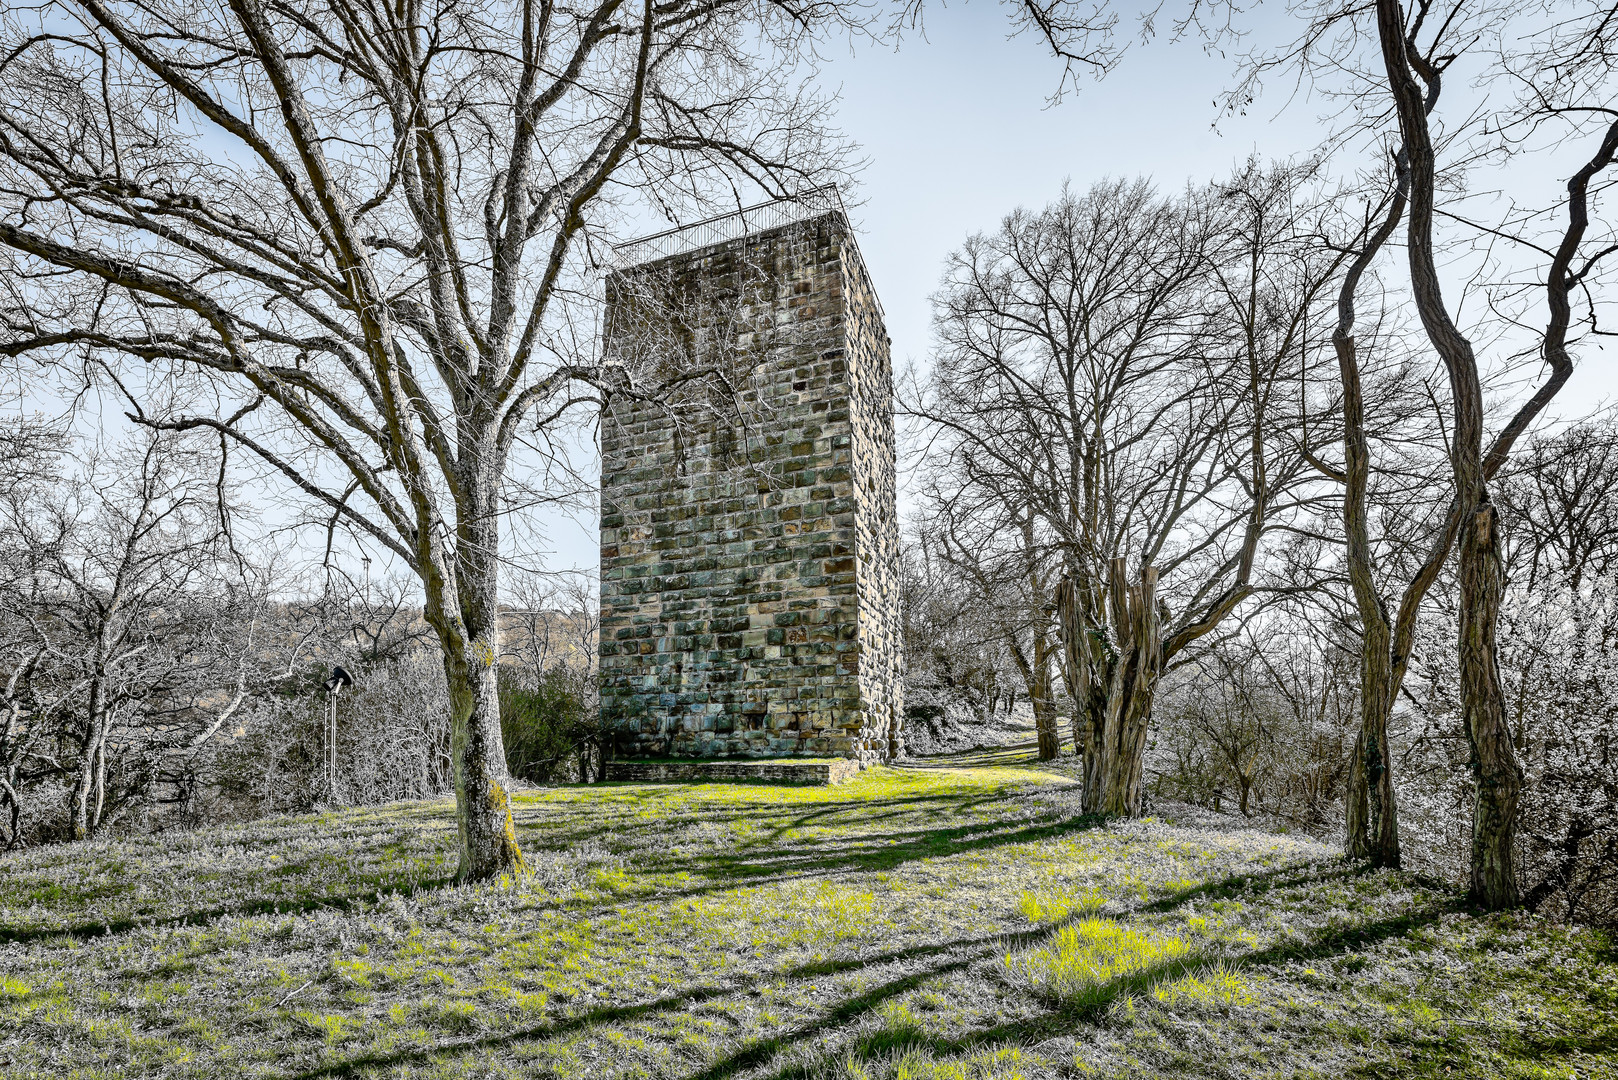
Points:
[(947, 923)]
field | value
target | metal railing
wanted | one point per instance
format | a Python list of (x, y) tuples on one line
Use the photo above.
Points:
[(735, 224)]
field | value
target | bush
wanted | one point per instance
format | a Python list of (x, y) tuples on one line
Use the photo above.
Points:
[(547, 726)]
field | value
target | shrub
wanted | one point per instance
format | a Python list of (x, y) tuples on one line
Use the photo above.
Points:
[(546, 726), (392, 740)]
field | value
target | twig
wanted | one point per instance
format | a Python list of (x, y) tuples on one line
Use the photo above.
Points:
[(292, 995)]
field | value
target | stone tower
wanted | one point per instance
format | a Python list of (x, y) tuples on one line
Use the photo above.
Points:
[(749, 542)]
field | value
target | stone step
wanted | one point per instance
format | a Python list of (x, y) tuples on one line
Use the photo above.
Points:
[(825, 770)]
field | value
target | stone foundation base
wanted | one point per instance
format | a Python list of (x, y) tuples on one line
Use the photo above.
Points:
[(800, 771)]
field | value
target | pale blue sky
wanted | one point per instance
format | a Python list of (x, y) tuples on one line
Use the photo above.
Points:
[(958, 130)]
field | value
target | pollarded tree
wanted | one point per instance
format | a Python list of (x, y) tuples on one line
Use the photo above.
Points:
[(355, 233)]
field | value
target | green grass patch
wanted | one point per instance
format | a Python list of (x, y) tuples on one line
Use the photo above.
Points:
[(1088, 963), (952, 923)]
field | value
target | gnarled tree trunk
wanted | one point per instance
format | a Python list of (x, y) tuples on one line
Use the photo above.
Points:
[(1087, 663), (1129, 696), (1112, 673), (464, 610), (487, 834)]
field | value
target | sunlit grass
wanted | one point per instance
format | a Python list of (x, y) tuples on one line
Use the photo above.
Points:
[(931, 924), (1219, 985), (1092, 961), (1046, 909)]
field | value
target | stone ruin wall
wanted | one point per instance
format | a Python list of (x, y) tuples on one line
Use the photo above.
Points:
[(876, 519), (749, 551)]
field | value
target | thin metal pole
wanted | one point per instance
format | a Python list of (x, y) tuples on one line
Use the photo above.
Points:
[(331, 747)]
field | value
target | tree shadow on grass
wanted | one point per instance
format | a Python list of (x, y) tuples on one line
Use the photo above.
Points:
[(343, 902), (948, 956), (495, 1040), (753, 868), (1058, 1018), (1529, 1053), (940, 958), (1286, 876)]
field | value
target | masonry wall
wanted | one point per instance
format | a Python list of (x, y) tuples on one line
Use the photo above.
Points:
[(748, 541), (876, 523)]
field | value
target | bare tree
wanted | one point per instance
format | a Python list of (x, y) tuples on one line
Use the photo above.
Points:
[(1371, 818), (1389, 62), (1116, 364), (1262, 710), (1012, 573), (132, 628), (364, 230), (952, 654), (1559, 657), (1416, 49)]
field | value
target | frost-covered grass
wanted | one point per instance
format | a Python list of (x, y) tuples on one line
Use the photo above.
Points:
[(942, 923)]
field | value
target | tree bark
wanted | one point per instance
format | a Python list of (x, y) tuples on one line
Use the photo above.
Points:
[(488, 835), (1496, 775), (464, 609), (1087, 666), (1497, 778), (1371, 820), (1112, 677), (1037, 676), (84, 783), (1129, 697), (1046, 727)]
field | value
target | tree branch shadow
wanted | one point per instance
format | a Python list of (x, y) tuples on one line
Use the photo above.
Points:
[(1059, 1019), (344, 902)]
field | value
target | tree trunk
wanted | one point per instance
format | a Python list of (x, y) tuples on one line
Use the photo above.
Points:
[(1045, 723), (1497, 779), (1372, 825), (1046, 729), (1129, 694), (483, 809), (470, 637), (84, 783), (1112, 679), (1496, 776), (1371, 821), (99, 790), (1087, 667)]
